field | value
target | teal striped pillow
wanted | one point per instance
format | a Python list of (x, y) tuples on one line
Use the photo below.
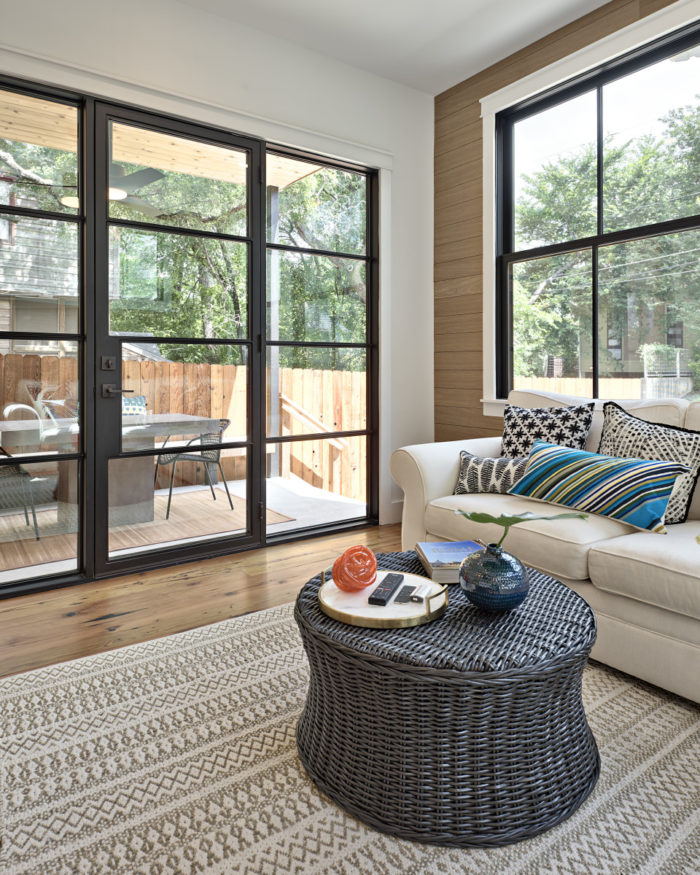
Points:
[(633, 491)]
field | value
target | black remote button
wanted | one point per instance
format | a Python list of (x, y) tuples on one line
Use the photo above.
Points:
[(382, 594), (404, 595)]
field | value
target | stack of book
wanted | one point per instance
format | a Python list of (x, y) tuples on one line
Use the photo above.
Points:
[(441, 559)]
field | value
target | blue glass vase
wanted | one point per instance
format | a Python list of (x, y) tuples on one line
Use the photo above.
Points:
[(494, 580)]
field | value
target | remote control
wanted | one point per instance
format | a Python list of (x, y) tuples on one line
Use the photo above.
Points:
[(403, 596), (382, 594)]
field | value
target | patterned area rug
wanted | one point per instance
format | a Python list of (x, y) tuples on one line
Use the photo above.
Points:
[(178, 756)]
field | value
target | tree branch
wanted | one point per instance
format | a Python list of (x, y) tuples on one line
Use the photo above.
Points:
[(22, 172)]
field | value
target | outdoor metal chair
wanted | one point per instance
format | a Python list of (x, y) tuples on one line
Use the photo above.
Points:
[(48, 427), (210, 457), (16, 484)]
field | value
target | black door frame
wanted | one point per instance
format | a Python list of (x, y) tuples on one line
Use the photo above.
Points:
[(108, 410)]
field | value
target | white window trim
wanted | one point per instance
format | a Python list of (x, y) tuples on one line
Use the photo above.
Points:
[(631, 37)]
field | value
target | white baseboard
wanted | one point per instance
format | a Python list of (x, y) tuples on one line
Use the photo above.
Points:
[(392, 513)]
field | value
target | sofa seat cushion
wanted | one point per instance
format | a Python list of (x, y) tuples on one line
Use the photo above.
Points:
[(559, 547), (661, 570)]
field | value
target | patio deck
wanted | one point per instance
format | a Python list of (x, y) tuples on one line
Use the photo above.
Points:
[(292, 504)]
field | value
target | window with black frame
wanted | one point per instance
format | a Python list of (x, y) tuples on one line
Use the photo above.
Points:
[(599, 280)]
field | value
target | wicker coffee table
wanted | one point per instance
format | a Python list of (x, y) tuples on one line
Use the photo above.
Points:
[(469, 730)]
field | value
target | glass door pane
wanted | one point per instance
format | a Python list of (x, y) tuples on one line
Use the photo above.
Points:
[(170, 499), (40, 343), (315, 482), (317, 389), (175, 285), (38, 518), (177, 181), (177, 392)]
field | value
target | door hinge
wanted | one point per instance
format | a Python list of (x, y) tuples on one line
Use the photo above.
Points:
[(260, 343), (261, 510)]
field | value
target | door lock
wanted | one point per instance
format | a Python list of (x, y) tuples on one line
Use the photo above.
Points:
[(111, 390)]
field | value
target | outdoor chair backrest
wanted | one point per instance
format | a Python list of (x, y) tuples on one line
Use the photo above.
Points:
[(214, 438), (211, 439), (208, 439)]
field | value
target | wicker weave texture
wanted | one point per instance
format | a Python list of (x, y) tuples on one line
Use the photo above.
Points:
[(414, 732)]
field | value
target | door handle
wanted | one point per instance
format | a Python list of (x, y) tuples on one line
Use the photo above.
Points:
[(111, 390)]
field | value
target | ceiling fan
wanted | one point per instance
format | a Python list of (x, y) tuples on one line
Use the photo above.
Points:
[(123, 186)]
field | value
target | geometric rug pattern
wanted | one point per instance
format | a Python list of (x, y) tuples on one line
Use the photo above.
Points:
[(178, 756)]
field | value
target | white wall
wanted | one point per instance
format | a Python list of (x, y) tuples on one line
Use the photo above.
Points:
[(161, 54)]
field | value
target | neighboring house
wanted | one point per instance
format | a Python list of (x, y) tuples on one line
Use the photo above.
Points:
[(38, 281)]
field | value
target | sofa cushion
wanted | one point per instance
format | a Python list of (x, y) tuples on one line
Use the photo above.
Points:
[(626, 435), (692, 421), (670, 411), (477, 474), (658, 571), (559, 547), (522, 426), (635, 491)]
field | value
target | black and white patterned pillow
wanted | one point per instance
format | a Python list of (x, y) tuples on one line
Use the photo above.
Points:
[(487, 475), (627, 436), (565, 426)]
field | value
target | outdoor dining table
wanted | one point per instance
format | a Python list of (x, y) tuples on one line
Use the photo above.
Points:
[(131, 493)]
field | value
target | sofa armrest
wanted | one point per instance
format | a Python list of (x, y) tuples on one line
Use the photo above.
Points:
[(429, 471)]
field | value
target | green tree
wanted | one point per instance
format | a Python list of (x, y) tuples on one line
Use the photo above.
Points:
[(644, 287), (176, 285)]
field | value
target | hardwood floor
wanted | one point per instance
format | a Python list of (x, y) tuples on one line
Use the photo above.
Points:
[(45, 628)]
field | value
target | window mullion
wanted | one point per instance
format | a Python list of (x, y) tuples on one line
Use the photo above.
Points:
[(600, 145), (599, 158)]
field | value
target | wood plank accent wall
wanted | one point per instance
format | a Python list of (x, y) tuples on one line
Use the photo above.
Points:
[(458, 214)]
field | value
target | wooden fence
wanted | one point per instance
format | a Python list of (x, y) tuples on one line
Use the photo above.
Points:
[(608, 387), (308, 401), (20, 375)]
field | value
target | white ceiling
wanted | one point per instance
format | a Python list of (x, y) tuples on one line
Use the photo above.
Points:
[(426, 44)]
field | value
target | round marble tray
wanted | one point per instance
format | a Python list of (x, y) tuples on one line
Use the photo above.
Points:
[(353, 607)]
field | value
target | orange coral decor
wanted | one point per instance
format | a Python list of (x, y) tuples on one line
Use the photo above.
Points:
[(355, 569)]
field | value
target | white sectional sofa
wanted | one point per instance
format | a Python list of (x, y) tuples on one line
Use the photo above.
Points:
[(643, 587)]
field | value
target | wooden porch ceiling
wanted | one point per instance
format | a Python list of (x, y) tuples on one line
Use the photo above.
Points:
[(47, 123)]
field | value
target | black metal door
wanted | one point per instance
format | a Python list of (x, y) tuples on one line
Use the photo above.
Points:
[(177, 340)]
